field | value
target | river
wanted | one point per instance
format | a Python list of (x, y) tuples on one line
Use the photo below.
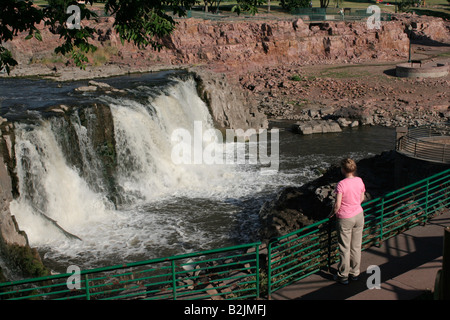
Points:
[(167, 208)]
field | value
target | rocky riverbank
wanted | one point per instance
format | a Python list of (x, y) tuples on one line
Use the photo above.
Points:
[(282, 68), (232, 46), (350, 95), (296, 207)]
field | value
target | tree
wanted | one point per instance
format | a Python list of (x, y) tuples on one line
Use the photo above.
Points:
[(141, 22), (292, 4), (324, 3), (404, 5), (250, 6)]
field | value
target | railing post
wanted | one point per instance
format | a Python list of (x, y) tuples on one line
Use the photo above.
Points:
[(269, 270), (329, 245), (400, 133), (86, 283), (174, 281), (426, 201), (381, 223), (257, 270)]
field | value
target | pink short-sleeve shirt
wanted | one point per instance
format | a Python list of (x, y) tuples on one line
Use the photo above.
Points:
[(351, 189)]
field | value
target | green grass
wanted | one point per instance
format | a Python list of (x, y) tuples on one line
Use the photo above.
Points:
[(444, 54), (344, 74), (439, 8), (441, 13)]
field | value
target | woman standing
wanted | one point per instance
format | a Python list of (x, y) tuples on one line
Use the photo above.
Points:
[(350, 221)]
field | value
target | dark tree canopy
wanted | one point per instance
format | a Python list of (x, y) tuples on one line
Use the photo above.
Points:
[(141, 22)]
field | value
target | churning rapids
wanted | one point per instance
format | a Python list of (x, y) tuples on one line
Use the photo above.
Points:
[(165, 208)]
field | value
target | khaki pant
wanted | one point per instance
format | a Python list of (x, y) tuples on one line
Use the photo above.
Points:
[(349, 239)]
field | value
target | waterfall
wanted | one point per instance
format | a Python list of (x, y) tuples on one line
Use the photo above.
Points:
[(143, 143), (143, 204), (54, 197)]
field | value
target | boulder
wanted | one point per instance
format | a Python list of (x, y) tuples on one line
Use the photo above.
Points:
[(316, 126), (101, 85), (230, 106), (296, 207), (86, 89), (344, 122)]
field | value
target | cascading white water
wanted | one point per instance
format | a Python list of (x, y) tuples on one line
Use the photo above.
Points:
[(68, 214), (143, 143), (143, 205), (54, 198)]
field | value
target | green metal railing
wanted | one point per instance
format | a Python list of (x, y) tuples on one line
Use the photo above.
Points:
[(235, 272), (315, 14), (228, 273), (299, 254), (335, 14)]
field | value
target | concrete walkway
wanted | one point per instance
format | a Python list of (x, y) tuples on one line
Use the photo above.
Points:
[(408, 266)]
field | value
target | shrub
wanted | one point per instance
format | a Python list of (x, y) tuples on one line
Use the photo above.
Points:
[(58, 3), (292, 4)]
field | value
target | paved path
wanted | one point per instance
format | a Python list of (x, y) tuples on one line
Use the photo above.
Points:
[(408, 264)]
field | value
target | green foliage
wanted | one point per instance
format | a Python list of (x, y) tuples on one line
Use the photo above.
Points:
[(6, 60), (16, 16), (58, 3), (250, 6), (404, 5), (142, 22), (296, 77), (25, 259), (292, 4), (324, 3)]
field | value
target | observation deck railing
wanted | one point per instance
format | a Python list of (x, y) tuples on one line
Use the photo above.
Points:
[(426, 143), (243, 271)]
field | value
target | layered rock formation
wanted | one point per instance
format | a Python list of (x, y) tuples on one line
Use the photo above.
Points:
[(230, 107), (231, 45), (236, 45)]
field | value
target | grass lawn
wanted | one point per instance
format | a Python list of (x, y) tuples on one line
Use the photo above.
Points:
[(439, 8)]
